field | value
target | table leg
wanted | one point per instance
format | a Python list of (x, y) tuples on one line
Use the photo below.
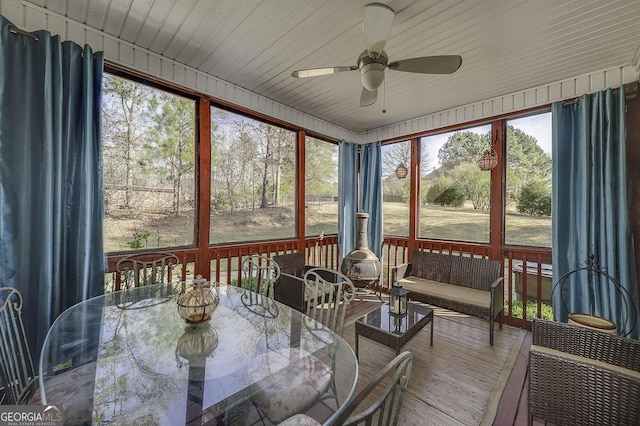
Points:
[(357, 338), (431, 329)]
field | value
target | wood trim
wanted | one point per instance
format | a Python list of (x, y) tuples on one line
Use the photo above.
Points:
[(300, 189), (469, 124), (498, 180), (129, 74), (414, 190), (204, 187)]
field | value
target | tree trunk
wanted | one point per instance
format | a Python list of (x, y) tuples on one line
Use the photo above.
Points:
[(276, 190), (265, 184)]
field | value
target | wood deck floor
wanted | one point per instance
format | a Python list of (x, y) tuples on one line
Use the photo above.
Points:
[(512, 408)]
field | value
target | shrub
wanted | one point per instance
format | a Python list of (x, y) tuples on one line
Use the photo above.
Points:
[(546, 311), (452, 196), (535, 199)]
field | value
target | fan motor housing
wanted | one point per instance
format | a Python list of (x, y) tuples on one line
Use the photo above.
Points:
[(372, 69)]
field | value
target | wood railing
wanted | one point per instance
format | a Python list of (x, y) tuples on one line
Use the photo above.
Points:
[(526, 270)]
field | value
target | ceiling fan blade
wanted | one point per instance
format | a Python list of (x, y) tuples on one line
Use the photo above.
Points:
[(446, 64), (378, 19), (368, 97), (314, 72)]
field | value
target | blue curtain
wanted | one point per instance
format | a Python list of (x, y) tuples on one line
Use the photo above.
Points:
[(371, 193), (51, 190), (591, 209), (347, 197)]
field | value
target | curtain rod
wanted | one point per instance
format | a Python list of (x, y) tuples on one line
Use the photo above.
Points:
[(630, 91), (15, 30)]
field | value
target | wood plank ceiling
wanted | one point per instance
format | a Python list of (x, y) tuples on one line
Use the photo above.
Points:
[(506, 46)]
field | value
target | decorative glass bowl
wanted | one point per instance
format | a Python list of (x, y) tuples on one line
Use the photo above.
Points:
[(197, 304)]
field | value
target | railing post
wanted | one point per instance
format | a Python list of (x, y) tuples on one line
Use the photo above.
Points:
[(498, 176), (203, 266)]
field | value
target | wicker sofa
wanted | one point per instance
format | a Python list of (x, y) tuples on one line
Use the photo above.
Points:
[(580, 376), (463, 284)]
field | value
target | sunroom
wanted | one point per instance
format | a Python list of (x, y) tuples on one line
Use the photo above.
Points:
[(203, 144)]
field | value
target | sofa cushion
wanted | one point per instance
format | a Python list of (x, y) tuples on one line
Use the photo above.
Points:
[(456, 293), (316, 291)]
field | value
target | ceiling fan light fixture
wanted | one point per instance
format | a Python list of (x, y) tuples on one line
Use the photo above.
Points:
[(372, 76)]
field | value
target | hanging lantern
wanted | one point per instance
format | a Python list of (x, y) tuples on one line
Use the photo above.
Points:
[(198, 302), (489, 160), (402, 171)]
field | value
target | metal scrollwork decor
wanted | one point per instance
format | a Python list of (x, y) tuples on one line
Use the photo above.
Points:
[(593, 269)]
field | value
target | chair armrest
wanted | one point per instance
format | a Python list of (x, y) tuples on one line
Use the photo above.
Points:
[(497, 295), (399, 272), (289, 289)]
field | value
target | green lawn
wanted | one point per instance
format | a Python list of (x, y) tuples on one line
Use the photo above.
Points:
[(467, 224), (446, 223)]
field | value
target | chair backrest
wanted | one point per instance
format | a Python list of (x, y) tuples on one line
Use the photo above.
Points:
[(16, 366), (291, 263), (328, 293), (143, 269), (259, 273), (389, 386)]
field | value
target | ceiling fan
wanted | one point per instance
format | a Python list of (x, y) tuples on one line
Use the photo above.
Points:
[(372, 63)]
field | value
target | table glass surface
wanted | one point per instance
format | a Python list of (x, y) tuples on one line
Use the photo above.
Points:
[(392, 323), (150, 366)]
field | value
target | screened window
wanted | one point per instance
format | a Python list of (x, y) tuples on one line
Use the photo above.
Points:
[(252, 179), (321, 187), (395, 188), (148, 144), (528, 182), (455, 193)]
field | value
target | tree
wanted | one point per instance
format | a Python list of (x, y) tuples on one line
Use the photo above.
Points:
[(476, 184), (275, 146), (170, 152), (126, 119), (452, 196), (235, 168), (321, 168), (526, 161), (535, 199), (400, 153), (438, 186), (462, 147)]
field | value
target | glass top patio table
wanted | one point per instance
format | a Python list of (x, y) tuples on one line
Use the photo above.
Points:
[(145, 365)]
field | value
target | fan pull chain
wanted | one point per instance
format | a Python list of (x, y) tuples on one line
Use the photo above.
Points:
[(384, 96)]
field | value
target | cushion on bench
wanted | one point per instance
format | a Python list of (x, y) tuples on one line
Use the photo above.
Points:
[(456, 293)]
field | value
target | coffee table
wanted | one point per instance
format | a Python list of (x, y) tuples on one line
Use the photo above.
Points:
[(393, 330)]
